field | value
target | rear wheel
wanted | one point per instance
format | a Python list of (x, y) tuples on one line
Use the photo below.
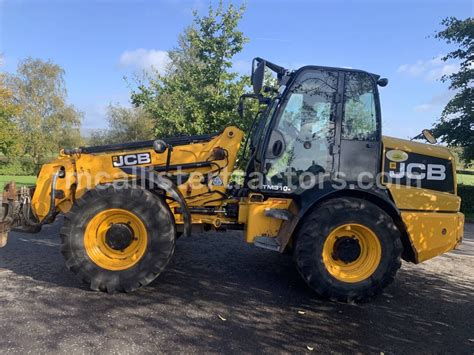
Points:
[(348, 249), (118, 239)]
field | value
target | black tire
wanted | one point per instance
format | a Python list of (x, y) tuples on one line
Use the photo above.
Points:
[(156, 217), (316, 228)]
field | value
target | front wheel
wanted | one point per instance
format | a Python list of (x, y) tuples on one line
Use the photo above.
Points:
[(348, 249), (118, 239)]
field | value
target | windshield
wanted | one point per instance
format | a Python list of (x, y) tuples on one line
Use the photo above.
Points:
[(264, 121), (304, 127), (259, 136)]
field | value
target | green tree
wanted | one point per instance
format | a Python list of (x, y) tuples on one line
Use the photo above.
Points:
[(456, 125), (125, 125), (199, 93), (47, 123), (9, 133)]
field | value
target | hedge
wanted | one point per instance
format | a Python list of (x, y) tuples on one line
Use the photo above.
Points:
[(23, 165), (466, 192)]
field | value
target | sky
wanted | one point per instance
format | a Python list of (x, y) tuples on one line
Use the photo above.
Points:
[(98, 43)]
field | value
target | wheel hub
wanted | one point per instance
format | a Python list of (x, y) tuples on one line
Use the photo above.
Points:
[(119, 236), (346, 249), (115, 239), (351, 253)]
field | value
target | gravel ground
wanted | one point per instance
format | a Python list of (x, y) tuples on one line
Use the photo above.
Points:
[(221, 295)]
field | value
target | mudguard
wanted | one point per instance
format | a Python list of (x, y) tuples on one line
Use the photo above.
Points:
[(167, 185)]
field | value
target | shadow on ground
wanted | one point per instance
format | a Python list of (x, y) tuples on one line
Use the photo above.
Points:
[(213, 277)]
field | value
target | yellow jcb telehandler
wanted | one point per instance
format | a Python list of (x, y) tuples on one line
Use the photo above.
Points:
[(322, 182)]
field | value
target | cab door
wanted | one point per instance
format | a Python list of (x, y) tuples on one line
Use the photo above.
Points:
[(300, 146), (359, 158)]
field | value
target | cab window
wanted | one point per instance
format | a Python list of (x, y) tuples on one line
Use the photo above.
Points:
[(360, 118)]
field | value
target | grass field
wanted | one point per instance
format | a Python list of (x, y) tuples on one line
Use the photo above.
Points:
[(20, 180), (466, 179)]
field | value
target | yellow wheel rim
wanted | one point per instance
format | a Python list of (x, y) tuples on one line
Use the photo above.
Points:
[(352, 253), (115, 239)]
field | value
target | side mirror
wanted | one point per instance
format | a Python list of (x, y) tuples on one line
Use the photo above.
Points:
[(382, 82), (258, 74), (429, 136)]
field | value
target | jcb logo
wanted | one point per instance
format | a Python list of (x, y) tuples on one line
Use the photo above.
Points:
[(131, 159), (420, 171)]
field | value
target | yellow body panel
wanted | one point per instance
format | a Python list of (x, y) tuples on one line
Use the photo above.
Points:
[(432, 219), (432, 233), (411, 198), (40, 201), (252, 214), (419, 148), (415, 147)]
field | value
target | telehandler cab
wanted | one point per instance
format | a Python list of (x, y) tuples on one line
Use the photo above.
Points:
[(321, 182)]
